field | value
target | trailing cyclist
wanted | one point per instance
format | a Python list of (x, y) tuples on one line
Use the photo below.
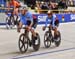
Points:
[(53, 22)]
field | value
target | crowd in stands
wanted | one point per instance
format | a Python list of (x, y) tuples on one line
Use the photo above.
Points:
[(42, 6), (47, 5)]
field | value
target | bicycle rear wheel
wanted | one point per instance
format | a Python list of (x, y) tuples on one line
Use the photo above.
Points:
[(57, 39), (36, 42)]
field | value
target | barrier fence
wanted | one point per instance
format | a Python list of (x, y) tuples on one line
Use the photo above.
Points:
[(62, 17)]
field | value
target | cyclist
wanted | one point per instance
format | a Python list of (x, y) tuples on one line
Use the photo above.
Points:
[(26, 19), (15, 5), (53, 22), (14, 11)]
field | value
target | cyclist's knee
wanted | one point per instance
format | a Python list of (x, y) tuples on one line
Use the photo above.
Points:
[(55, 29), (33, 32), (20, 24)]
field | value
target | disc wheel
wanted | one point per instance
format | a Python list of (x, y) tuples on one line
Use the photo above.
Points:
[(57, 39), (36, 42)]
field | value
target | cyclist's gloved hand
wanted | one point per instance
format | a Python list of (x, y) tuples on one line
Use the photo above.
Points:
[(28, 28), (43, 28)]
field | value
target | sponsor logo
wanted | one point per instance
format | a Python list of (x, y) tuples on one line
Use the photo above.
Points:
[(72, 16), (42, 18)]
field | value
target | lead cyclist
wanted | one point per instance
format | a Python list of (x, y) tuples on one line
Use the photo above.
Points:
[(26, 19)]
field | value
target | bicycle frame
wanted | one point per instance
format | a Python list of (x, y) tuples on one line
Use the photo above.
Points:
[(26, 32), (50, 32)]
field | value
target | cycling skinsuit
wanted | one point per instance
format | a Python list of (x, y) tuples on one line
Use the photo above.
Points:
[(51, 20), (14, 4), (26, 19)]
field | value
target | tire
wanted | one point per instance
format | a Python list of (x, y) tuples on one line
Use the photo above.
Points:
[(47, 39), (36, 46), (24, 41), (8, 22), (12, 20), (58, 39)]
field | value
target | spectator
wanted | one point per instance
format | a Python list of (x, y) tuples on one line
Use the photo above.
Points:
[(62, 4), (27, 2), (70, 2), (44, 7), (54, 7), (46, 0), (30, 2), (38, 7), (33, 4), (73, 2)]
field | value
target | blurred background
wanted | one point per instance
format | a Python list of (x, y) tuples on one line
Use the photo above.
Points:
[(41, 6)]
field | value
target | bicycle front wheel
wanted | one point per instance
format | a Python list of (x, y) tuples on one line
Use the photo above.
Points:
[(23, 43)]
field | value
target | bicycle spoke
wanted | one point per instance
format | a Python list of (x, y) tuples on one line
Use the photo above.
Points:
[(21, 41), (22, 44)]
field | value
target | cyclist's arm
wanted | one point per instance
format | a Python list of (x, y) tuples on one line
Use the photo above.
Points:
[(53, 21), (31, 18), (46, 22)]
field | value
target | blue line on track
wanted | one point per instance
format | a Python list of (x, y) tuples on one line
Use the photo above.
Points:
[(43, 53)]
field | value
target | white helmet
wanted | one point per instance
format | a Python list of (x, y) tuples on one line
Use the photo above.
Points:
[(49, 12)]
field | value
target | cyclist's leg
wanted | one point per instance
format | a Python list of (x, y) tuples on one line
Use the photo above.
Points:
[(35, 22), (56, 27), (12, 15), (32, 28), (33, 32), (16, 11), (19, 26), (55, 31)]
